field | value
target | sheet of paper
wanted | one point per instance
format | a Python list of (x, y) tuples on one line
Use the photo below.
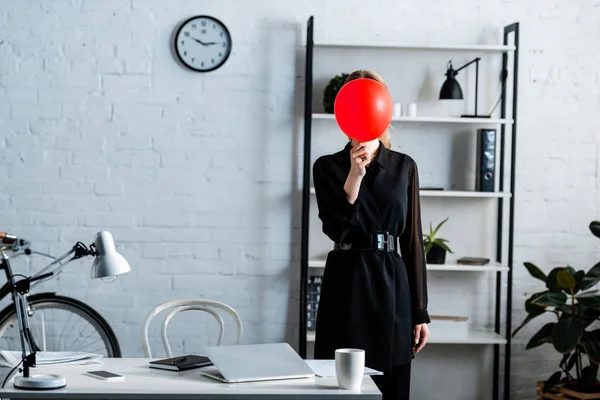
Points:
[(326, 368), (49, 358)]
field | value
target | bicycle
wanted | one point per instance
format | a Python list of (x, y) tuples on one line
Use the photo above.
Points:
[(50, 315)]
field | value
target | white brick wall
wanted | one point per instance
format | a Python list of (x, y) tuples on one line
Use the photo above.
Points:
[(196, 175)]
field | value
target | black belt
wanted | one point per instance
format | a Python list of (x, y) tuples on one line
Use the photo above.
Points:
[(380, 241)]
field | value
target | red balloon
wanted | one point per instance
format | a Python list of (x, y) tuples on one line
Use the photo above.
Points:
[(363, 109)]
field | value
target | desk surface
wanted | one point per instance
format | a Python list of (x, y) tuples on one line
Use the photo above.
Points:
[(142, 382)]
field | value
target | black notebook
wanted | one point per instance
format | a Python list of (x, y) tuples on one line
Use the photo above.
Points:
[(181, 363)]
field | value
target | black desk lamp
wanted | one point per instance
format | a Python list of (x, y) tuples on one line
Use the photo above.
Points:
[(451, 89)]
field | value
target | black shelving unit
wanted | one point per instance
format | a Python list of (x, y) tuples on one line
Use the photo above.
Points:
[(510, 32)]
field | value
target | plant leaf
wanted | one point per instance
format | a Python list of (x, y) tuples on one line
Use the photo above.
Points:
[(552, 381), (550, 299), (566, 334), (591, 277), (552, 281), (533, 311), (428, 247), (445, 247), (588, 315), (590, 343), (534, 308), (535, 271), (588, 376), (590, 301), (437, 228), (544, 335), (578, 279), (526, 321), (565, 279), (595, 228)]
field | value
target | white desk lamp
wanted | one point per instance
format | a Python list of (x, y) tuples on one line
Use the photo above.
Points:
[(107, 264)]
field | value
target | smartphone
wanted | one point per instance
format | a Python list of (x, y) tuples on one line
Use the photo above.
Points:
[(105, 375)]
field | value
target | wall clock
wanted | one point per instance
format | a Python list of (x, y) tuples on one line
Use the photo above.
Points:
[(203, 43)]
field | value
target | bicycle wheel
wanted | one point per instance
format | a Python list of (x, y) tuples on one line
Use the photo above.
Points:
[(60, 323)]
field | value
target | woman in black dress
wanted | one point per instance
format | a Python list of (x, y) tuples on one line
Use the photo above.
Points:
[(371, 297)]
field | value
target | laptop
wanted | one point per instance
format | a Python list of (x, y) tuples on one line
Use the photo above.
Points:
[(255, 362)]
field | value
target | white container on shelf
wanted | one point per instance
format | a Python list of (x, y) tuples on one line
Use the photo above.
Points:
[(449, 325)]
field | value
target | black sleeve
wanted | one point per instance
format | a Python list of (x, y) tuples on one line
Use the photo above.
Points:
[(411, 246), (339, 217)]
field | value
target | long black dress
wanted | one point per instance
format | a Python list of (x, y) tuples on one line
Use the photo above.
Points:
[(371, 299)]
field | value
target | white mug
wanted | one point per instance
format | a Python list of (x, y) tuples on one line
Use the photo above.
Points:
[(412, 109), (349, 368)]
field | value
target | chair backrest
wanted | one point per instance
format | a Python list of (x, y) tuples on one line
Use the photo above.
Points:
[(181, 305)]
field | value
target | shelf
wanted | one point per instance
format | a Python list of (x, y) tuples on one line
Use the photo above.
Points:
[(473, 337), (492, 267), (416, 46), (439, 120), (463, 193), (456, 193)]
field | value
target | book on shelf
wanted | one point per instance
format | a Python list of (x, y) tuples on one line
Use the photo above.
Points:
[(313, 296), (473, 261)]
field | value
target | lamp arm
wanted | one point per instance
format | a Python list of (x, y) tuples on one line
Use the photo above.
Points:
[(469, 63), (52, 269)]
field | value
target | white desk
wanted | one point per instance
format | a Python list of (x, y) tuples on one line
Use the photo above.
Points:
[(145, 383)]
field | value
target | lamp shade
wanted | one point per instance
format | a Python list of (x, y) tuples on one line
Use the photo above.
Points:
[(451, 89), (108, 263)]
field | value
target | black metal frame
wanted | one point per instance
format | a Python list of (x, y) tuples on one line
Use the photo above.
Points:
[(508, 30), (306, 185)]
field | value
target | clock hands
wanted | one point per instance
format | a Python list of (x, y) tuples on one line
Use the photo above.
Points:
[(201, 42)]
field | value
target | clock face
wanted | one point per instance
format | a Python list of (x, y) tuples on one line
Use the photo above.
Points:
[(203, 43)]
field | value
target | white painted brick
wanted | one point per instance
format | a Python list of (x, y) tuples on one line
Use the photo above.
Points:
[(18, 96), (80, 203), (110, 66), (53, 219), (108, 220), (138, 67), (122, 82), (30, 65), (63, 96), (108, 189), (154, 251), (5, 111), (35, 111), (183, 112), (177, 234), (55, 128), (137, 111), (146, 159), (114, 6), (87, 112), (134, 52)]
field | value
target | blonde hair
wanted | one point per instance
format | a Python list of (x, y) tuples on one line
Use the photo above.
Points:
[(366, 73)]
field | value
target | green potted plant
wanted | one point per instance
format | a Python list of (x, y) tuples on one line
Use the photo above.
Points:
[(435, 247), (568, 295), (331, 91)]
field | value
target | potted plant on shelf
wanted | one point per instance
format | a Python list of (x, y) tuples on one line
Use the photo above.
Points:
[(576, 307), (331, 91), (435, 247)]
